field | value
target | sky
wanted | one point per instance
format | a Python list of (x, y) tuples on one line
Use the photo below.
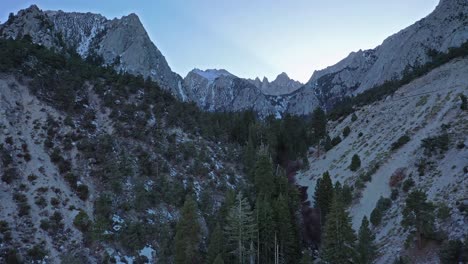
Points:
[(254, 38)]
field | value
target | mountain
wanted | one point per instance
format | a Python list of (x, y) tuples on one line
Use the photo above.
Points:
[(281, 85), (122, 43), (445, 27), (219, 90), (425, 110)]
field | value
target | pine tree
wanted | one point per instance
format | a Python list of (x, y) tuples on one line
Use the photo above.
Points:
[(216, 246), (250, 153), (464, 102), (323, 195), (355, 163), (338, 244), (241, 230), (187, 235), (264, 174), (284, 230), (366, 249), (319, 127), (266, 229), (319, 123), (418, 215)]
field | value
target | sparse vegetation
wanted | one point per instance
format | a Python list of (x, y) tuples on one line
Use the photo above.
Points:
[(436, 144), (400, 142), (346, 131), (383, 204), (82, 221), (408, 184), (464, 102), (355, 163)]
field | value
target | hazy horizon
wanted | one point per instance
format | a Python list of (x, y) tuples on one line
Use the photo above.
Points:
[(256, 39)]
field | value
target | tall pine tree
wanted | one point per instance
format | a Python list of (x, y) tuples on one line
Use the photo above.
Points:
[(264, 174), (323, 196), (241, 230), (418, 215), (216, 246), (284, 231), (266, 229), (366, 249), (339, 240), (187, 236)]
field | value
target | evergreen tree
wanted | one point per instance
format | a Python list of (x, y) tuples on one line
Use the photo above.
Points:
[(216, 246), (241, 230), (464, 102), (264, 174), (266, 229), (323, 195), (338, 244), (187, 235), (218, 260), (355, 163), (418, 215), (346, 131), (284, 231), (250, 153), (347, 195), (366, 249), (338, 190), (319, 123)]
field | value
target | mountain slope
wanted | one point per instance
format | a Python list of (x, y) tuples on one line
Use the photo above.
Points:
[(426, 107)]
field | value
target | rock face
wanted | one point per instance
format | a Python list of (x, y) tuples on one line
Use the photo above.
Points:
[(281, 85), (122, 43), (445, 27), (219, 90)]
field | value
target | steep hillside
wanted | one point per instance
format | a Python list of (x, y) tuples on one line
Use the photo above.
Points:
[(424, 109), (102, 167), (96, 165)]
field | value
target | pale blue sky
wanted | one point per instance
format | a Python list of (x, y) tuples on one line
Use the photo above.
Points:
[(253, 38)]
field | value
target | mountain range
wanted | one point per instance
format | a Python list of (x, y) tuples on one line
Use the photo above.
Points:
[(125, 44)]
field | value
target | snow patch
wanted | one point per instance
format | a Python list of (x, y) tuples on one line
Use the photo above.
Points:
[(181, 92), (147, 251)]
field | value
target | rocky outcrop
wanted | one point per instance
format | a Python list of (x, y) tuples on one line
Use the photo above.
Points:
[(281, 85), (122, 43), (219, 90)]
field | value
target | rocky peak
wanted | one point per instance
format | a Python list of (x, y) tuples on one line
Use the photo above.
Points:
[(281, 85), (210, 74), (123, 43)]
